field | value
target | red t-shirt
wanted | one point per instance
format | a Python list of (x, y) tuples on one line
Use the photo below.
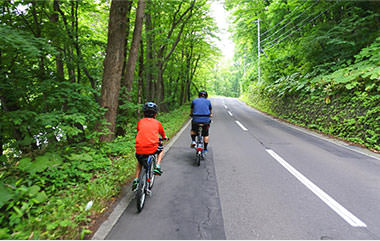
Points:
[(147, 135)]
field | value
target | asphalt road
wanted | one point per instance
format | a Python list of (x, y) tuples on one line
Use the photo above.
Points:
[(262, 179)]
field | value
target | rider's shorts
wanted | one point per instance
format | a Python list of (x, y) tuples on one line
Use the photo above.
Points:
[(143, 158), (206, 127)]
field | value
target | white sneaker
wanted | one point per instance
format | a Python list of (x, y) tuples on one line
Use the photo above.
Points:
[(193, 143)]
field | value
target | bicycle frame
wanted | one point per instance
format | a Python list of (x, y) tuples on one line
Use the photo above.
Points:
[(146, 178), (146, 181), (199, 144)]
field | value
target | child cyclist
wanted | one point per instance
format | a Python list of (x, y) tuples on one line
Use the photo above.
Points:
[(147, 142)]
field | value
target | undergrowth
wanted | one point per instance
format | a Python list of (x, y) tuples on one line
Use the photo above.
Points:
[(43, 195)]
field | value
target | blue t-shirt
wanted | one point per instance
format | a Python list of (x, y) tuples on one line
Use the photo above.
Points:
[(201, 110)]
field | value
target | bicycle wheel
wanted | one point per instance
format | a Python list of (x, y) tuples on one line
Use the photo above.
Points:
[(151, 172), (140, 193), (199, 158)]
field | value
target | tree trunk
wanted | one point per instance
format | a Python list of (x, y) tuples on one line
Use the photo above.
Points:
[(130, 4), (140, 90), (113, 64), (59, 64), (149, 57), (133, 52)]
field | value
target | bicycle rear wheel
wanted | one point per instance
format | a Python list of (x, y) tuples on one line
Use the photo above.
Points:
[(140, 193), (198, 158)]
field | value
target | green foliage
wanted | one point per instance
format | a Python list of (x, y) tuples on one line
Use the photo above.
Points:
[(225, 81), (16, 41), (43, 196), (344, 103), (322, 73), (51, 70)]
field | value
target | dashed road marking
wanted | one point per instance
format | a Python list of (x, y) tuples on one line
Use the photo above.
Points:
[(241, 126)]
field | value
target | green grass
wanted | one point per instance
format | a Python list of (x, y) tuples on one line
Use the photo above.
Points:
[(47, 200)]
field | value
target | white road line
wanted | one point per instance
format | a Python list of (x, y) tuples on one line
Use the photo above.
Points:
[(229, 112), (241, 126), (339, 209), (225, 107)]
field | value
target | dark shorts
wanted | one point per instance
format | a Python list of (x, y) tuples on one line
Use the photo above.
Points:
[(142, 158), (206, 127)]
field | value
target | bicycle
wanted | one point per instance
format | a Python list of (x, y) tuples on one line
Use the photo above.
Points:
[(146, 179), (199, 145)]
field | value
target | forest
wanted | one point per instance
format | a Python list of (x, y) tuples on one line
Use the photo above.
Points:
[(74, 75)]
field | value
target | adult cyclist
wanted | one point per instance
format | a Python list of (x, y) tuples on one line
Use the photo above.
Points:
[(201, 111)]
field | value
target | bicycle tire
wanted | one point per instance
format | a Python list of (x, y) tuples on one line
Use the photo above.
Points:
[(140, 193), (199, 139), (151, 174)]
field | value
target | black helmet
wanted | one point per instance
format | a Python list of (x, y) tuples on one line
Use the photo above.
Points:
[(150, 109), (203, 93)]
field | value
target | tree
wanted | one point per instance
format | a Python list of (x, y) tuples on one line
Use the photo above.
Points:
[(133, 52), (113, 64)]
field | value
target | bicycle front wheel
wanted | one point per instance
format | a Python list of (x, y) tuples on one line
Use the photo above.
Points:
[(151, 173), (140, 193)]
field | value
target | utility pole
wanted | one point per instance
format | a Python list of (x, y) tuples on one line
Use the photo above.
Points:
[(258, 46)]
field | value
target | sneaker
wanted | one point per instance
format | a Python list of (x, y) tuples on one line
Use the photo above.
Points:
[(157, 171), (205, 152), (135, 184), (193, 144)]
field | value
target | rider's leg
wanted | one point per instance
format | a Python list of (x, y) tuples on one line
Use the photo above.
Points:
[(206, 142), (193, 131), (136, 180), (193, 135), (157, 169), (138, 169), (159, 157), (205, 134)]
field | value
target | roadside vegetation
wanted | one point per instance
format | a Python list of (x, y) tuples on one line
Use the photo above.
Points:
[(320, 64), (74, 76), (44, 194)]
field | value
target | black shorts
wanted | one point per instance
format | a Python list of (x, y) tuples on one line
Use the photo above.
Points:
[(143, 158), (206, 127)]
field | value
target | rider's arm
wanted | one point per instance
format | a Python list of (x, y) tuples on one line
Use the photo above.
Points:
[(191, 108), (210, 107), (161, 131)]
